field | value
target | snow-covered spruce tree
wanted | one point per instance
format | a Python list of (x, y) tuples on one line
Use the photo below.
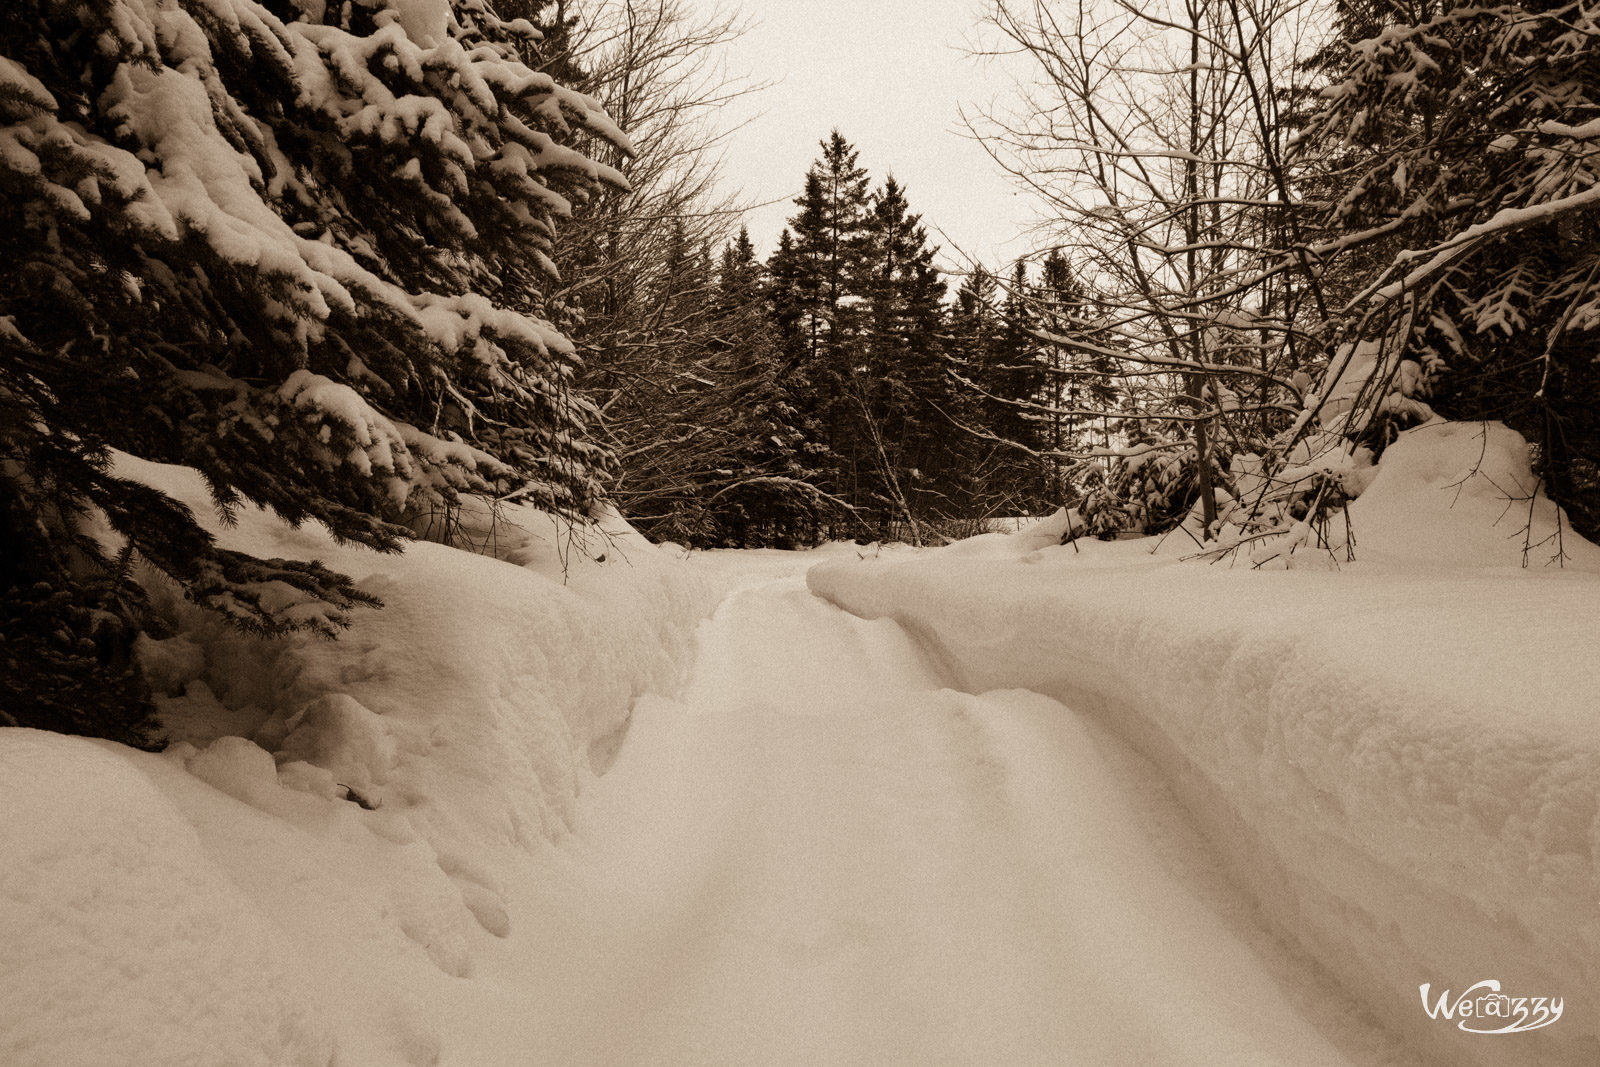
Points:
[(297, 246), (1018, 378), (766, 493), (901, 379), (820, 271), (1467, 139), (677, 353)]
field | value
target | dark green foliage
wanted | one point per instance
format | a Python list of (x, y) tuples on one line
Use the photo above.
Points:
[(819, 275), (847, 390), (66, 640), (1454, 149), (738, 465), (769, 495), (999, 355), (306, 260), (1151, 488), (66, 663)]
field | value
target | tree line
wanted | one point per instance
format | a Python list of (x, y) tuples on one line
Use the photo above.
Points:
[(353, 261), (834, 390), (1308, 227)]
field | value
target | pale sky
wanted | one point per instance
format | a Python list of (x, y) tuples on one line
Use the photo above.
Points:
[(890, 75)]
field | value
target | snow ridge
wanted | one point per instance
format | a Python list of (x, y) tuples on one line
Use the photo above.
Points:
[(1394, 772)]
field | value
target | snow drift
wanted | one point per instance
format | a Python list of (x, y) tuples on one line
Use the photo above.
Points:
[(339, 825), (377, 850), (123, 942), (1400, 758)]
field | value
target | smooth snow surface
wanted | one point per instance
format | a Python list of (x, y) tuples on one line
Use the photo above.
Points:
[(820, 855), (1019, 803), (112, 917)]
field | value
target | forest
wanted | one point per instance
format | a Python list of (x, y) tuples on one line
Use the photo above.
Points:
[(356, 262), (507, 559)]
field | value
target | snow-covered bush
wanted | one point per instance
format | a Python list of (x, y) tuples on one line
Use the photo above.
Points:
[(1152, 485), (1461, 157), (299, 247)]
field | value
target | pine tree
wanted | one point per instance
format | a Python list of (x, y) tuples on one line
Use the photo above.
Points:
[(1084, 381), (836, 237), (768, 495), (1017, 376), (998, 354), (787, 287), (821, 272), (974, 330), (301, 253), (902, 383)]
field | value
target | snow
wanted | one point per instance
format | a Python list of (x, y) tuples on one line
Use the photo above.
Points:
[(818, 854), (115, 918), (25, 91), (331, 845), (425, 21), (1398, 758), (338, 735), (1448, 493), (571, 798)]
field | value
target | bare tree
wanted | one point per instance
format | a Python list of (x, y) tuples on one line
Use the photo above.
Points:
[(1153, 137), (638, 269)]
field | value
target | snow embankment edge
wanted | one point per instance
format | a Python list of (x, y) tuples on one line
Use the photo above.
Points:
[(1400, 806)]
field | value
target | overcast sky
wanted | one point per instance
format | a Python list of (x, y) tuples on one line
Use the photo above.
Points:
[(890, 75)]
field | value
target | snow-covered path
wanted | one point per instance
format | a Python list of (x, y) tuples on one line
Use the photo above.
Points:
[(819, 855)]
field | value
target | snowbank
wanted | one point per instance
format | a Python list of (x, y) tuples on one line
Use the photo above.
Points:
[(1455, 493), (1400, 759), (335, 835), (120, 940), (475, 700)]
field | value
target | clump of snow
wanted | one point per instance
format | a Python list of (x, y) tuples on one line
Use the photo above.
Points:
[(336, 733), (1024, 536), (1446, 493), (1366, 379), (170, 664), (238, 767), (425, 21), (1463, 493), (309, 778)]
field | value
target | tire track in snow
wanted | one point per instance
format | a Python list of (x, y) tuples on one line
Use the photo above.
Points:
[(820, 855)]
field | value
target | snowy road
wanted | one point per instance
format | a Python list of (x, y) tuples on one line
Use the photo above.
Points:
[(819, 855)]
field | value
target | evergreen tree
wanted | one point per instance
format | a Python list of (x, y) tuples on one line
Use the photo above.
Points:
[(740, 281), (833, 229), (1461, 137), (769, 496), (788, 298), (821, 272), (1017, 376), (998, 352), (974, 331), (901, 383), (301, 249), (1084, 381)]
